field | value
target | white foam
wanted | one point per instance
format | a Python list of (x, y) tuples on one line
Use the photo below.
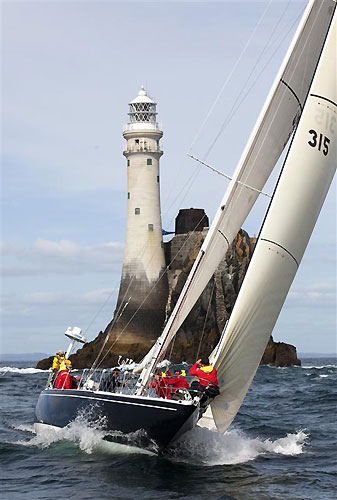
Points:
[(88, 436), (204, 447), (292, 444), (85, 436), (12, 369)]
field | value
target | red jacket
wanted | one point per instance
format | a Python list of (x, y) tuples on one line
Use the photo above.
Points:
[(205, 377), (178, 383), (161, 387), (64, 381)]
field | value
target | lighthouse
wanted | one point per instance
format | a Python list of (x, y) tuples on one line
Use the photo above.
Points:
[(143, 289)]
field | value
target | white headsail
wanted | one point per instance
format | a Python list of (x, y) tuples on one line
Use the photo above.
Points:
[(274, 126), (304, 182)]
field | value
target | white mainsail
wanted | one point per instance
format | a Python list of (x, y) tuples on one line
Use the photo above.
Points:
[(304, 182), (273, 128)]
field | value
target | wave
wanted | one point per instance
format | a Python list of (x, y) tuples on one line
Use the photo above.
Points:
[(314, 376), (303, 367), (205, 447), (11, 369), (310, 367)]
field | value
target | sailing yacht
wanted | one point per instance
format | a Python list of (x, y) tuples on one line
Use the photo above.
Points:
[(301, 105)]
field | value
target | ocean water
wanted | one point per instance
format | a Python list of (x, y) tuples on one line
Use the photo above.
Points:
[(282, 445)]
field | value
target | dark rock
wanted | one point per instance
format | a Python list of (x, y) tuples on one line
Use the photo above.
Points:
[(191, 219), (45, 363), (280, 354)]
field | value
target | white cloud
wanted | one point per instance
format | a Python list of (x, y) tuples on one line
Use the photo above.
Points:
[(45, 308), (61, 257), (316, 295)]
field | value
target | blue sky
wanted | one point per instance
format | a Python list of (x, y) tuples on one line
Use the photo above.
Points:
[(68, 72)]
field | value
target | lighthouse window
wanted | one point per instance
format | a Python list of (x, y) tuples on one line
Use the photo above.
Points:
[(157, 178), (150, 226), (137, 141), (137, 211), (149, 161), (128, 196), (128, 163)]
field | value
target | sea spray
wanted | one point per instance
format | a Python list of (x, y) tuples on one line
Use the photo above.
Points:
[(205, 447)]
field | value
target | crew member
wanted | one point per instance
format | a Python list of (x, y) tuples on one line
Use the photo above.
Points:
[(64, 379), (178, 381), (112, 382), (58, 359), (161, 384), (206, 374), (166, 373)]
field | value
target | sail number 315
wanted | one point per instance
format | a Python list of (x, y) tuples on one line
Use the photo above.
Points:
[(319, 141)]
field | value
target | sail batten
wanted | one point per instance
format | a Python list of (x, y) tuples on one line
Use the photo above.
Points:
[(271, 133), (303, 185)]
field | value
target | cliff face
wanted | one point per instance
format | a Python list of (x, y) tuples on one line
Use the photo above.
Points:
[(202, 328)]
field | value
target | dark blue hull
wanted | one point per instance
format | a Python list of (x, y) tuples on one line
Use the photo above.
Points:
[(162, 420)]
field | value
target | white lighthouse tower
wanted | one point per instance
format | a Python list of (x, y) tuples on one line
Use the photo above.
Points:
[(144, 281), (144, 254)]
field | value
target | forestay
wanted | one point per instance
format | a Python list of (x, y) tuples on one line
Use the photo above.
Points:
[(274, 126), (304, 182)]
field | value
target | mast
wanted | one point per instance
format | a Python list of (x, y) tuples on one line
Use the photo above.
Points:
[(303, 185), (273, 128)]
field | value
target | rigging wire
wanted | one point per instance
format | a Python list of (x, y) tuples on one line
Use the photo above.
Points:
[(206, 317), (230, 75), (95, 363), (228, 176), (172, 346), (234, 109), (237, 104), (286, 34), (100, 310), (191, 181)]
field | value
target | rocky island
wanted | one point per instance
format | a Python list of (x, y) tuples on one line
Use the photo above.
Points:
[(202, 328)]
